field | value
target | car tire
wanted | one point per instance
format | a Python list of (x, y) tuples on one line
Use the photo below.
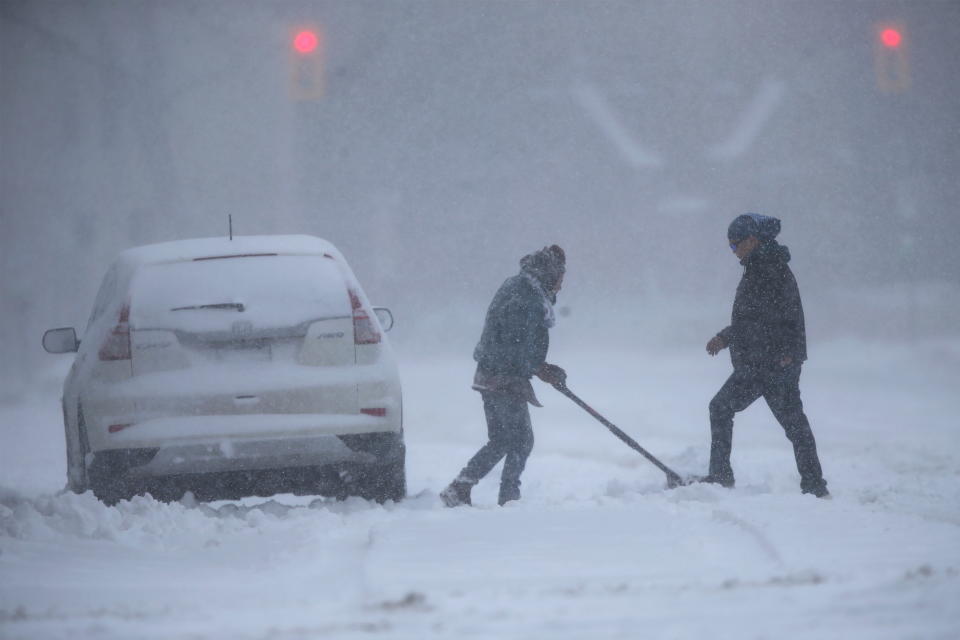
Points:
[(109, 478), (385, 482), (96, 478), (78, 482), (105, 486)]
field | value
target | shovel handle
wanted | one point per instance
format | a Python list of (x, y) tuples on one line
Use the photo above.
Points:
[(673, 478)]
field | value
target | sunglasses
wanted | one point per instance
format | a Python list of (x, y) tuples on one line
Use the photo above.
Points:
[(734, 245)]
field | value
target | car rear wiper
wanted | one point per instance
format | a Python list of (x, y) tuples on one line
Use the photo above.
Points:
[(236, 306)]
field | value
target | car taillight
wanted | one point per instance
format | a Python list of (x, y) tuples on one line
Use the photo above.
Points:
[(117, 344), (378, 412), (364, 330)]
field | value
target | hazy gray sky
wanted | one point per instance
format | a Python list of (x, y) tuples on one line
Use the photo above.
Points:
[(452, 137)]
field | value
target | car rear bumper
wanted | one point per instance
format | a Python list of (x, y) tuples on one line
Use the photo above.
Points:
[(336, 452), (271, 404), (235, 430)]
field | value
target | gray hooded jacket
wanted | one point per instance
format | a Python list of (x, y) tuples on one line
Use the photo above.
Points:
[(515, 338)]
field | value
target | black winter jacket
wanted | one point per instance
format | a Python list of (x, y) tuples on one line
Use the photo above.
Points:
[(515, 334), (767, 321)]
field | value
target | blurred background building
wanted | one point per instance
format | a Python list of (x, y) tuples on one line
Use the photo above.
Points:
[(435, 142)]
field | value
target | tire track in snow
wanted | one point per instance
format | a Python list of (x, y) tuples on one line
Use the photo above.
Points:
[(769, 549)]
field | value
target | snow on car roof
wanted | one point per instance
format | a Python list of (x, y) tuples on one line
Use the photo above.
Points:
[(181, 250)]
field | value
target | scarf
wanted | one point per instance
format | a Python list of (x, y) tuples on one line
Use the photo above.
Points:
[(548, 316)]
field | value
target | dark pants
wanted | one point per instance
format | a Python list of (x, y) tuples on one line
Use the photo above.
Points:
[(510, 435), (781, 389)]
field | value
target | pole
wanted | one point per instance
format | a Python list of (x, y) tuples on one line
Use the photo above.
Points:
[(673, 478)]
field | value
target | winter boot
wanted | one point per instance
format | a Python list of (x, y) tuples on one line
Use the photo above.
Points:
[(723, 481), (819, 489), (508, 494), (457, 493)]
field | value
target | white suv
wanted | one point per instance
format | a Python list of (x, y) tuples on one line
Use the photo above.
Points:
[(233, 367)]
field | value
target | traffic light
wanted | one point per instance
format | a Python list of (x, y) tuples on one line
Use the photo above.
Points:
[(306, 64), (892, 66), (891, 38)]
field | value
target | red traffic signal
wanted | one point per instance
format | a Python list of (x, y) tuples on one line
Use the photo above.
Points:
[(891, 38), (307, 62), (305, 42), (892, 66)]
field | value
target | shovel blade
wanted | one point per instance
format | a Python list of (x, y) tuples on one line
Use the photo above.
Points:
[(674, 481)]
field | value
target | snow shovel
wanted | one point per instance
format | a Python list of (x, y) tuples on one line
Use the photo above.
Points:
[(673, 478)]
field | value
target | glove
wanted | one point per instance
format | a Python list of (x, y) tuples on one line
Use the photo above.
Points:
[(552, 374), (716, 345)]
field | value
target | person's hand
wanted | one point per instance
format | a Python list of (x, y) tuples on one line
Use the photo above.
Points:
[(785, 361), (552, 374), (716, 345)]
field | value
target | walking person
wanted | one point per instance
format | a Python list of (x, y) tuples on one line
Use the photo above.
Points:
[(512, 349), (767, 342)]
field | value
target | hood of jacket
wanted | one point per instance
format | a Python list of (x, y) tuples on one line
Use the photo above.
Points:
[(768, 253)]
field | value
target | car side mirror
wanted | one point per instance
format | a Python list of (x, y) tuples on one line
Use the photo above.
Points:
[(61, 340), (385, 316)]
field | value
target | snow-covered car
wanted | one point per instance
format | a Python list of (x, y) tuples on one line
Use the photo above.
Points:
[(233, 367)]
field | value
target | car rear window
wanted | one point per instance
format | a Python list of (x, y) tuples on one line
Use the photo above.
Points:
[(263, 290)]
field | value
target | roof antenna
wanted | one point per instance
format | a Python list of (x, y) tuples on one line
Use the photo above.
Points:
[(230, 220)]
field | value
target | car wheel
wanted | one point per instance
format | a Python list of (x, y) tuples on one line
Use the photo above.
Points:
[(108, 474), (108, 489), (94, 477), (385, 477), (77, 477), (385, 481)]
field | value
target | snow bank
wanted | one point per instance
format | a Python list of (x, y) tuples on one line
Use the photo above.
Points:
[(144, 522), (596, 548)]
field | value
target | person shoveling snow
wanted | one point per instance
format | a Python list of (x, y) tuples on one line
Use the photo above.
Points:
[(512, 349)]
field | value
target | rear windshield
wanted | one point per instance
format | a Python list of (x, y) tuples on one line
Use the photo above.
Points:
[(264, 291)]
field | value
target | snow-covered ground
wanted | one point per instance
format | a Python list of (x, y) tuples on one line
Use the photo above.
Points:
[(596, 549)]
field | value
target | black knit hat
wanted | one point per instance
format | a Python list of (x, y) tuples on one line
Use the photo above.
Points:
[(764, 228), (547, 264)]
